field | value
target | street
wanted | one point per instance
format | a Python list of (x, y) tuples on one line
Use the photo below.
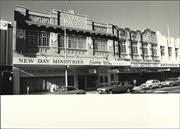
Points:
[(174, 89), (164, 90)]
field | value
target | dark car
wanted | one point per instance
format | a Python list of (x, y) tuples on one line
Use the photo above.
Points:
[(67, 90), (116, 88)]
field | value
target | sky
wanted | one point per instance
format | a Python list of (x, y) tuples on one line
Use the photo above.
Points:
[(136, 15)]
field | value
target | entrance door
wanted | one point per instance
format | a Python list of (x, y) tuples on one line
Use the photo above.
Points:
[(81, 82), (91, 82), (103, 80)]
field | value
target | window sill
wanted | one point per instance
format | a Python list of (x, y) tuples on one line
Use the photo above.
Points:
[(78, 49), (124, 54), (101, 51), (27, 46)]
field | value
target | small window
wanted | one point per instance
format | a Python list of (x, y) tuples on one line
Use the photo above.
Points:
[(112, 77), (106, 79), (101, 79)]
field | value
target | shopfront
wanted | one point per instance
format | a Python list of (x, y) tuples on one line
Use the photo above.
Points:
[(40, 73)]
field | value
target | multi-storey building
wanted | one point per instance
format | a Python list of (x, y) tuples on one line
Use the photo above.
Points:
[(94, 54), (169, 55), (40, 54)]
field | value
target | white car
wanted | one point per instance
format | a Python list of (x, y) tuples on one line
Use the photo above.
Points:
[(151, 84)]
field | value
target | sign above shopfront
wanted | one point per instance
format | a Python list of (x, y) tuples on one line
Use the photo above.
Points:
[(68, 61), (145, 64), (72, 20), (4, 24), (169, 65), (47, 61)]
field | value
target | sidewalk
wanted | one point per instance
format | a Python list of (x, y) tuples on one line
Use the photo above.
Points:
[(91, 92)]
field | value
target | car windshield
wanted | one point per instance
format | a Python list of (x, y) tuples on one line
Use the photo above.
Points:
[(149, 81)]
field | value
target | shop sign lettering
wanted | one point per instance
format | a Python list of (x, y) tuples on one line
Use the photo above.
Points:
[(95, 62), (107, 63), (169, 65), (63, 61), (144, 65), (72, 20), (48, 61), (40, 19)]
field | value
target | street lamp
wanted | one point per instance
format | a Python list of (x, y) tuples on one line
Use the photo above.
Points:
[(65, 53), (65, 45)]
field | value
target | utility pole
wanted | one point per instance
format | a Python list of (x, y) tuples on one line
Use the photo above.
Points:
[(65, 45)]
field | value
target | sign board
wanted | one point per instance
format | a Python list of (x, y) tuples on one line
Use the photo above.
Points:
[(169, 65), (40, 19), (46, 61), (72, 20), (68, 61), (4, 25), (145, 64)]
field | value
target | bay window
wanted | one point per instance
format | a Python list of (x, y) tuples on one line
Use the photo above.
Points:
[(100, 45), (134, 48), (37, 38), (75, 42), (123, 47)]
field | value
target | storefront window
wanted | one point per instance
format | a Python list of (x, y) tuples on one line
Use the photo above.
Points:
[(71, 80), (100, 44), (101, 79), (112, 77), (37, 38)]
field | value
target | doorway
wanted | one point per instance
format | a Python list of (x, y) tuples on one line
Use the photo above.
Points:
[(103, 80)]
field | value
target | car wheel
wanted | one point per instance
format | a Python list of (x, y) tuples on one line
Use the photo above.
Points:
[(128, 90), (150, 87), (110, 92)]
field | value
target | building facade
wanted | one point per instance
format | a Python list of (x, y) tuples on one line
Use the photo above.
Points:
[(94, 54), (6, 71)]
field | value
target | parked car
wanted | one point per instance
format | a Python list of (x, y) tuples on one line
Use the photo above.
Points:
[(151, 84), (116, 88), (167, 83), (67, 90), (171, 82)]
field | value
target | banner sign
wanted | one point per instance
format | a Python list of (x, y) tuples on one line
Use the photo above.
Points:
[(68, 61)]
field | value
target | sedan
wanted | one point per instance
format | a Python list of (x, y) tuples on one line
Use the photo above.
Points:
[(151, 84), (115, 89)]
